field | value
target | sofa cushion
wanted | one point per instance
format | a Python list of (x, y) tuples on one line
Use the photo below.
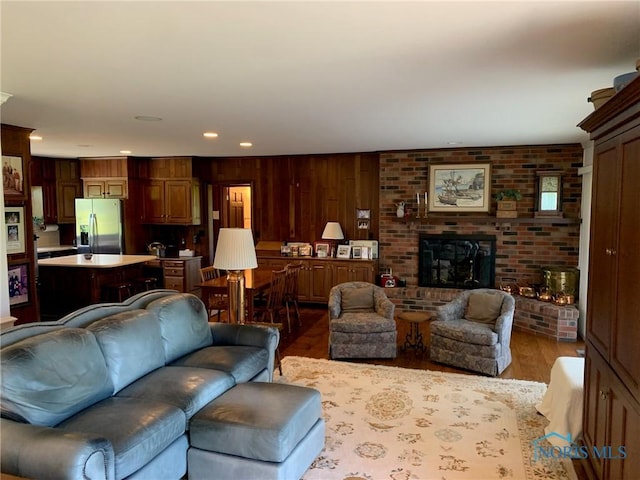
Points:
[(187, 388), (363, 322), (48, 378), (484, 307), (465, 331), (131, 344), (242, 362), (184, 324), (357, 299), (261, 421), (138, 429)]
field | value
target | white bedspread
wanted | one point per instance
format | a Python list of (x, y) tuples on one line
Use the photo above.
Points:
[(562, 402)]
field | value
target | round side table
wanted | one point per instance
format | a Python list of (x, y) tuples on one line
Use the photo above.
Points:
[(414, 337)]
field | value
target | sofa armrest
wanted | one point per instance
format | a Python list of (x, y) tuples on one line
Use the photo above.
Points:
[(503, 327), (33, 451), (384, 307), (335, 303), (453, 310), (225, 334)]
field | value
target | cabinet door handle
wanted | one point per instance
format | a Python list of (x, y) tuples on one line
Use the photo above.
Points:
[(603, 394)]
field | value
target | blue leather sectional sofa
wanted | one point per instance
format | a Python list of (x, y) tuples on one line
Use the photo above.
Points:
[(108, 392)]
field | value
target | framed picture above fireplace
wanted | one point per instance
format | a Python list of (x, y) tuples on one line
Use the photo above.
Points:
[(460, 187)]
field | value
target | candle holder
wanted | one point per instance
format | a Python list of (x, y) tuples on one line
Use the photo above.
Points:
[(418, 211)]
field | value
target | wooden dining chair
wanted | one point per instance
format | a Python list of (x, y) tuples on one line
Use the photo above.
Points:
[(268, 314), (271, 308), (216, 303), (290, 296)]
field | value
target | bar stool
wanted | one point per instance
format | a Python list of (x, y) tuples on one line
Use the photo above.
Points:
[(143, 284), (117, 292)]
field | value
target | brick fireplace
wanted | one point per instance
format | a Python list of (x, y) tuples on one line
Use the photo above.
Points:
[(523, 245)]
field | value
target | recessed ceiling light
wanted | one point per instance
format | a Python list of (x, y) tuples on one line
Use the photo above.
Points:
[(454, 143), (210, 134), (147, 118), (246, 144), (35, 137), (125, 152)]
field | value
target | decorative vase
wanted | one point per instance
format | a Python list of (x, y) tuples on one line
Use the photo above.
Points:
[(400, 210)]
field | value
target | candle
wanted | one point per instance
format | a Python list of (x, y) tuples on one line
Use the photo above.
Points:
[(425, 198), (418, 198)]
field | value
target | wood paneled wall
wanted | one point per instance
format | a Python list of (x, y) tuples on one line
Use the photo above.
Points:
[(295, 196)]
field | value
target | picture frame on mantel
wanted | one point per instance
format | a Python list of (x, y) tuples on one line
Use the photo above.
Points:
[(13, 178), (457, 188), (14, 230)]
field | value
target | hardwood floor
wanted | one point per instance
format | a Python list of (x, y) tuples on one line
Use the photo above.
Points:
[(533, 356)]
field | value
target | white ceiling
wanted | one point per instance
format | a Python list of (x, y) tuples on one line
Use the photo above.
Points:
[(307, 77)]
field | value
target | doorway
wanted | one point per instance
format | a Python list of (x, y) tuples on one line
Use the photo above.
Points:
[(230, 205), (236, 202)]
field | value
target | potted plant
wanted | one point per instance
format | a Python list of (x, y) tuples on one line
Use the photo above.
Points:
[(508, 203)]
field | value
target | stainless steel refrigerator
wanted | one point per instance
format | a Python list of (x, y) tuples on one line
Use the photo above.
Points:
[(99, 225)]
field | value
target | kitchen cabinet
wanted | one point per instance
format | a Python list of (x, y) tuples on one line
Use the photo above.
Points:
[(68, 188), (171, 201), (319, 275), (105, 177), (182, 274), (60, 182), (104, 167), (105, 188), (612, 379), (170, 195)]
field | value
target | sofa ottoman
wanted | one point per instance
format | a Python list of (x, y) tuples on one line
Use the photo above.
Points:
[(257, 430)]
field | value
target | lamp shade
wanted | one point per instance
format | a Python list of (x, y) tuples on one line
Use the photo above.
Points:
[(332, 231), (235, 250)]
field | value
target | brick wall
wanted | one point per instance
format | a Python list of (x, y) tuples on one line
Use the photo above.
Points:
[(522, 248)]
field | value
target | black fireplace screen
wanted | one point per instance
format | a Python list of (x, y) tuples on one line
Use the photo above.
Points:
[(457, 261)]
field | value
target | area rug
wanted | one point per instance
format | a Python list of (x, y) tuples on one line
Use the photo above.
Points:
[(396, 423)]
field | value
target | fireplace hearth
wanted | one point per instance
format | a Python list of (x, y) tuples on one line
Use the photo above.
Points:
[(457, 261)]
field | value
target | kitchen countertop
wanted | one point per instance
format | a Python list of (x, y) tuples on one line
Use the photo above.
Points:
[(99, 260), (57, 248)]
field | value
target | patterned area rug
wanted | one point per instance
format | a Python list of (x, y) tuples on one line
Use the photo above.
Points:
[(395, 423)]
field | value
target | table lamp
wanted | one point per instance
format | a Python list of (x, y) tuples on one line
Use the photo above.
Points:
[(235, 252), (332, 231)]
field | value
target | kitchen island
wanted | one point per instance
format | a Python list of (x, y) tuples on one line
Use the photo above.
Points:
[(72, 282)]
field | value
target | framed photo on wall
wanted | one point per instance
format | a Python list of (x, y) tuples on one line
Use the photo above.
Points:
[(18, 284), (13, 178), (460, 188), (14, 229)]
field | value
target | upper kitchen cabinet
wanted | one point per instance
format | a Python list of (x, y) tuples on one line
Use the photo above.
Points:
[(105, 177), (59, 179), (68, 188), (171, 195)]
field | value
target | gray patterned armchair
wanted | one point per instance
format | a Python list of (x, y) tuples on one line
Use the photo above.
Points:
[(361, 323), (474, 331)]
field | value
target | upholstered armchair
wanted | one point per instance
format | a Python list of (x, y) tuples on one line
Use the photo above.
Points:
[(361, 323), (474, 331)]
